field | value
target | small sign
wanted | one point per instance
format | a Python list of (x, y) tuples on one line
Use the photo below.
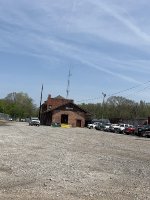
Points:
[(69, 108)]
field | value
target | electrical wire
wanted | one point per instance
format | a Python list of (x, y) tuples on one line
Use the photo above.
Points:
[(119, 92), (139, 91)]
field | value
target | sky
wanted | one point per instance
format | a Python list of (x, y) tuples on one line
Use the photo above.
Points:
[(104, 44)]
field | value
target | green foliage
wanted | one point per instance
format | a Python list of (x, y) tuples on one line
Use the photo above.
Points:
[(18, 105), (118, 107)]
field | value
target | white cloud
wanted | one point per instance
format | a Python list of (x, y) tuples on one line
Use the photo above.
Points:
[(55, 30)]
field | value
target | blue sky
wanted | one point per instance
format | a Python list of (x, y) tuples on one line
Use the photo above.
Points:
[(105, 44)]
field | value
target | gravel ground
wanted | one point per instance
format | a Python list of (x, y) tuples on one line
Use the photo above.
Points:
[(46, 163)]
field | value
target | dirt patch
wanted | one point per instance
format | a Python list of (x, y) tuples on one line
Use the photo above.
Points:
[(3, 123), (45, 163)]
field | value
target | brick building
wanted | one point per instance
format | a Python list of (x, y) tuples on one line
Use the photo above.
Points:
[(62, 110)]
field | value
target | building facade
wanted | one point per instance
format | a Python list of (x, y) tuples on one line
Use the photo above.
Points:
[(63, 111)]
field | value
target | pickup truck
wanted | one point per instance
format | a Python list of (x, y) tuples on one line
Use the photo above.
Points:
[(92, 125), (118, 128), (34, 121)]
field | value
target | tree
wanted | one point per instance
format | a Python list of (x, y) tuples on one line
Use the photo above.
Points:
[(2, 106), (20, 105), (121, 107), (118, 107)]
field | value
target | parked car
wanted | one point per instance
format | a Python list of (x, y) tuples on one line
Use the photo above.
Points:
[(129, 130), (138, 130), (107, 127), (113, 128), (122, 127), (92, 125), (143, 131), (103, 126), (34, 121), (100, 126), (118, 128)]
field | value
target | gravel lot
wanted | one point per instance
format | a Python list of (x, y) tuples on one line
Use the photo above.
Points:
[(46, 163)]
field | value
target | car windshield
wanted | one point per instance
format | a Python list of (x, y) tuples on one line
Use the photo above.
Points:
[(108, 124), (34, 118)]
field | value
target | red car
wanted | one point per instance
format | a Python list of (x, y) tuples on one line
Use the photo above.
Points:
[(129, 130)]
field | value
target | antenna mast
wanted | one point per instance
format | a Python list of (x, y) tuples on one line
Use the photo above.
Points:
[(68, 85)]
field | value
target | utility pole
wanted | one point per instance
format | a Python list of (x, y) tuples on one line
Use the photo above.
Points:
[(40, 102), (104, 95)]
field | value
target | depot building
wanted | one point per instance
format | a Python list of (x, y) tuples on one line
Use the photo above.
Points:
[(63, 111)]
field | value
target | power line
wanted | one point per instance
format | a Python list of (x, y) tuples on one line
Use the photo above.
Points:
[(121, 91), (139, 91), (129, 88)]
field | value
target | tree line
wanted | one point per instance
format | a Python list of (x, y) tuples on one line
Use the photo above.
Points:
[(118, 107), (18, 105)]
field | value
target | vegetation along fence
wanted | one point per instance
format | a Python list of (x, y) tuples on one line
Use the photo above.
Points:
[(4, 116)]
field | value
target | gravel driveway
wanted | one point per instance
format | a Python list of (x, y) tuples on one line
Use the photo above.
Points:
[(45, 163)]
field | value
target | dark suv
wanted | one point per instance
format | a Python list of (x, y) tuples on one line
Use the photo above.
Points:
[(143, 131)]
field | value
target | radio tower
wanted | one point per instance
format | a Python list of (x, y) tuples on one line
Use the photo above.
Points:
[(68, 85)]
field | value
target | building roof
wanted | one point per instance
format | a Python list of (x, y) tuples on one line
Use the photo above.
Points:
[(68, 104), (59, 97)]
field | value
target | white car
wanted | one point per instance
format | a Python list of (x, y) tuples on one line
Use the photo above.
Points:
[(119, 128), (92, 125), (34, 121)]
